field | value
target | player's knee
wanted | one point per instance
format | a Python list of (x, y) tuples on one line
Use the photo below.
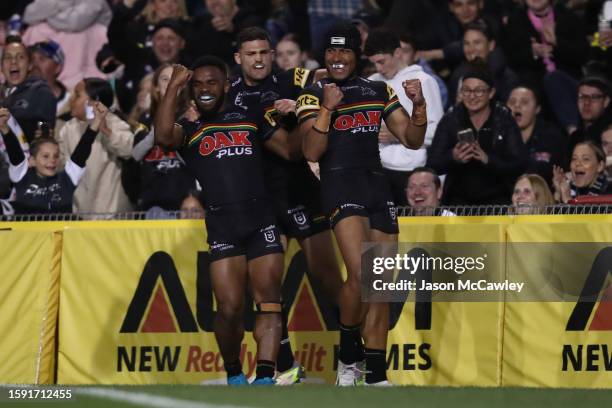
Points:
[(230, 312)]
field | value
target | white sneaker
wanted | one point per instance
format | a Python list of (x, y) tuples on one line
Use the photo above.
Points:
[(379, 384), (347, 375)]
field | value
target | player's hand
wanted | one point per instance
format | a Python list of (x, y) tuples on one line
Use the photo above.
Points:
[(180, 76), (332, 95), (385, 137), (100, 111), (413, 90), (191, 114), (463, 152), (5, 115), (285, 106)]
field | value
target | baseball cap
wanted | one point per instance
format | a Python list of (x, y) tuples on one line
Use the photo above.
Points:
[(51, 50)]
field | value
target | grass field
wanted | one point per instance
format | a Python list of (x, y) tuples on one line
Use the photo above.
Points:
[(190, 396)]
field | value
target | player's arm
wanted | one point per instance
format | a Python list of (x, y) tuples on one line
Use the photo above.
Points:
[(167, 134), (315, 129), (410, 131)]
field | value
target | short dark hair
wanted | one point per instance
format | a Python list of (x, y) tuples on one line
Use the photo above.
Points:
[(482, 27), (381, 41), (15, 39), (252, 34), (99, 90), (210, 61), (294, 38), (596, 82), (37, 143), (424, 169), (532, 89), (409, 39)]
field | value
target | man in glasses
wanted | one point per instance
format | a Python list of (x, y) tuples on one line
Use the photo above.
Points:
[(594, 108), (477, 145)]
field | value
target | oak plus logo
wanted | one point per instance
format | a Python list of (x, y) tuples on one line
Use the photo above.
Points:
[(594, 306), (360, 121)]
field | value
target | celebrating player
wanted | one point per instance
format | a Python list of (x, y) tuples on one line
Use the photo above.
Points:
[(340, 119), (223, 148), (295, 190)]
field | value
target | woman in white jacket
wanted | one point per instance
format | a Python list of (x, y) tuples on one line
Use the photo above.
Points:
[(100, 189)]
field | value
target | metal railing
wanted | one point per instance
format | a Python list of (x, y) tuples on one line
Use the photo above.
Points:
[(464, 211)]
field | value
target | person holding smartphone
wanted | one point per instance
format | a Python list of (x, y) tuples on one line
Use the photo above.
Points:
[(477, 145)]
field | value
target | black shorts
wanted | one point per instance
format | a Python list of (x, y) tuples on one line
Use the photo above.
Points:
[(361, 192), (298, 206), (246, 228)]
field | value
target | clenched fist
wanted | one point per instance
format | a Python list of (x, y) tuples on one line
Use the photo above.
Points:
[(180, 76), (332, 95), (413, 90), (4, 118)]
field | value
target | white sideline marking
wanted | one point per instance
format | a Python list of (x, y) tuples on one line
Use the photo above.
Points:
[(147, 400)]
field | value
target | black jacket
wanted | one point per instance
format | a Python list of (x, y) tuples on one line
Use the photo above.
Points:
[(30, 102), (474, 183), (593, 133), (546, 147), (569, 54)]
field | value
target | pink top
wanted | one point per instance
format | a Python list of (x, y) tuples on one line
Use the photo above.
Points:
[(538, 23), (80, 49)]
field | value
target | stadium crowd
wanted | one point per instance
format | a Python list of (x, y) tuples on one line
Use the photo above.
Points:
[(512, 87)]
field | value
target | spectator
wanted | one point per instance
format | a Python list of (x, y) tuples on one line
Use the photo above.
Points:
[(5, 181), (424, 191), (595, 111), (168, 42), (191, 207), (546, 144), (606, 145), (478, 43), (587, 173), (164, 179), (134, 22), (100, 190), (219, 27), (28, 98), (547, 45), (324, 14), (290, 54), (47, 63), (40, 188), (478, 145), (531, 195), (450, 32), (77, 26), (383, 50), (409, 49)]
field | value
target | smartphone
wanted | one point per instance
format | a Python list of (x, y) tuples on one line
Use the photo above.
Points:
[(466, 136), (89, 112)]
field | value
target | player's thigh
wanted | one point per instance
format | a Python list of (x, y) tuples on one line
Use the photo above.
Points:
[(320, 253), (229, 279), (351, 232)]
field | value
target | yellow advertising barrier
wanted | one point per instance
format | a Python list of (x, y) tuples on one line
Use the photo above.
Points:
[(28, 305), (137, 307), (560, 344)]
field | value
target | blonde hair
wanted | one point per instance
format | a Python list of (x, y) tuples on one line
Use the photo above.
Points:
[(543, 195), (148, 13)]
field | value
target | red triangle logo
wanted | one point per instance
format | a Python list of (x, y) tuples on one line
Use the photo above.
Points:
[(603, 314), (159, 319), (305, 316)]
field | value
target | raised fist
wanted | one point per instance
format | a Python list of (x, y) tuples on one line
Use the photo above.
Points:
[(413, 90), (332, 95), (4, 118), (180, 76)]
